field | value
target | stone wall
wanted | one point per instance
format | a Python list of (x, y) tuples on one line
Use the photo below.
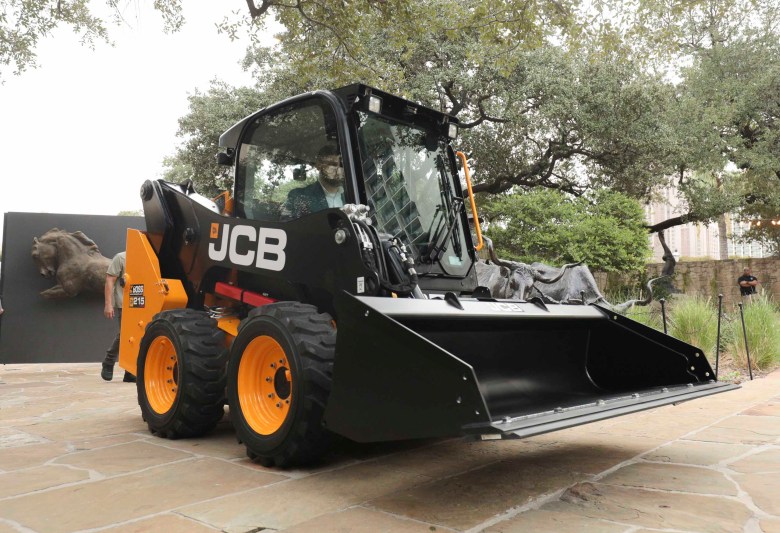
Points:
[(710, 278)]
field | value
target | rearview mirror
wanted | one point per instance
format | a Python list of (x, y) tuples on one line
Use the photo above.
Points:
[(224, 159)]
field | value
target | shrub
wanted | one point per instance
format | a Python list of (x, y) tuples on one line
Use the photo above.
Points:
[(695, 321), (762, 324), (649, 316)]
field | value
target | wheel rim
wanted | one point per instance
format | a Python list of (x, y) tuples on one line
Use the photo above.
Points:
[(264, 385), (161, 380)]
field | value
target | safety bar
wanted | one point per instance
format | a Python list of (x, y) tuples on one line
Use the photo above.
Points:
[(462, 158)]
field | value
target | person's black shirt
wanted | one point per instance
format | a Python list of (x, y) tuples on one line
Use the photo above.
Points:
[(750, 289)]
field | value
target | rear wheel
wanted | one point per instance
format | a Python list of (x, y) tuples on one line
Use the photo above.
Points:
[(181, 374), (279, 379)]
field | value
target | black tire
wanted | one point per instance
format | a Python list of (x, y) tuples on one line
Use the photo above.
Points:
[(181, 374), (278, 418)]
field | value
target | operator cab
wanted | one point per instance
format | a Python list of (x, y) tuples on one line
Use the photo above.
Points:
[(387, 153)]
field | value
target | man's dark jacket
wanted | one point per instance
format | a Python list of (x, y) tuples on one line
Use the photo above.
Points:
[(305, 200)]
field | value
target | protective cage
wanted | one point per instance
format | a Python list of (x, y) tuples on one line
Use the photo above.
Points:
[(423, 368)]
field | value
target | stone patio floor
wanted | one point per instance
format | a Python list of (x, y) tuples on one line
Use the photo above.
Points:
[(76, 456)]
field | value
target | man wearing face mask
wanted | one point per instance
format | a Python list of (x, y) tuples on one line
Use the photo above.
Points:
[(326, 192)]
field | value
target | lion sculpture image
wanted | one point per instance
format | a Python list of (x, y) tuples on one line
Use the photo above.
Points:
[(73, 260)]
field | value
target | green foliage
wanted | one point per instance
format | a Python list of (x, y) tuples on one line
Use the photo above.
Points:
[(23, 23), (537, 115), (694, 320), (650, 316), (209, 116), (605, 230), (762, 324), (730, 111), (592, 111), (764, 214), (532, 114)]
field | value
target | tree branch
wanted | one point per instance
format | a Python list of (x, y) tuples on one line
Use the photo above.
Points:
[(668, 257), (672, 222), (255, 11)]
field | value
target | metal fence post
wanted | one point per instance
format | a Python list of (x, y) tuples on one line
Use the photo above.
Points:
[(717, 345), (663, 312), (744, 333)]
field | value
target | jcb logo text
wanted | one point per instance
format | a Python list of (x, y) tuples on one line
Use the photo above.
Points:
[(246, 245)]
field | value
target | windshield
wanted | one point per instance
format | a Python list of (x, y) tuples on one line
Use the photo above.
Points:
[(411, 193)]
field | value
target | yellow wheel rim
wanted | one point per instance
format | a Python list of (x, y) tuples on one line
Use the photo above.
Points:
[(264, 385), (161, 380)]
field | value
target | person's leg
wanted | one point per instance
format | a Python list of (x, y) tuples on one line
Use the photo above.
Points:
[(112, 353), (128, 377)]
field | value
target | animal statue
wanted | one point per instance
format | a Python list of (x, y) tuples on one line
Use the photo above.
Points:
[(569, 284), (73, 259), (578, 286), (511, 279)]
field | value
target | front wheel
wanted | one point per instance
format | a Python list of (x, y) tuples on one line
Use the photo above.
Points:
[(181, 374), (279, 379)]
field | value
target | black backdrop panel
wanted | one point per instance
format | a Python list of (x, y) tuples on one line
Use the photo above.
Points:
[(36, 330)]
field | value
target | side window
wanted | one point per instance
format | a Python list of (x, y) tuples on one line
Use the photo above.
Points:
[(289, 164)]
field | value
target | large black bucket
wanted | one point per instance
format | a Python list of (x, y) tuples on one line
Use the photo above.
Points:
[(424, 368)]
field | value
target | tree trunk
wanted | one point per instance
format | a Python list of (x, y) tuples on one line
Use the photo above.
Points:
[(669, 264), (723, 238)]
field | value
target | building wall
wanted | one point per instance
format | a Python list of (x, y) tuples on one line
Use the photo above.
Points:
[(687, 240), (71, 330), (696, 240), (710, 278)]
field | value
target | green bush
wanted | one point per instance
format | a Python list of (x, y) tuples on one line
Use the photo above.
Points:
[(762, 323), (649, 316), (694, 320)]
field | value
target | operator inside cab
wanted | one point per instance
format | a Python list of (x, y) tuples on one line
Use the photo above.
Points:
[(326, 192)]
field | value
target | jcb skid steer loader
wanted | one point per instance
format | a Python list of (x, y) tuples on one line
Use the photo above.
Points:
[(309, 317)]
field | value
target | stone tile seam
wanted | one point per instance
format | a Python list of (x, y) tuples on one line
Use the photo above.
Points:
[(634, 528), (138, 519), (536, 503), (398, 517), (601, 475), (16, 525), (117, 433), (555, 495), (721, 471), (741, 497), (179, 509), (154, 441), (16, 432), (93, 475), (723, 462), (744, 497), (533, 504), (88, 481), (157, 441), (71, 450), (753, 526)]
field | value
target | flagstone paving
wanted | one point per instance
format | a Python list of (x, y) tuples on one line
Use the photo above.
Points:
[(76, 456)]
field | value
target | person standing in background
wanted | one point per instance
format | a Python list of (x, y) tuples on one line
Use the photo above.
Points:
[(113, 310), (747, 283)]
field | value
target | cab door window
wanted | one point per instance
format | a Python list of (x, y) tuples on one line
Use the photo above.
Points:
[(290, 164)]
